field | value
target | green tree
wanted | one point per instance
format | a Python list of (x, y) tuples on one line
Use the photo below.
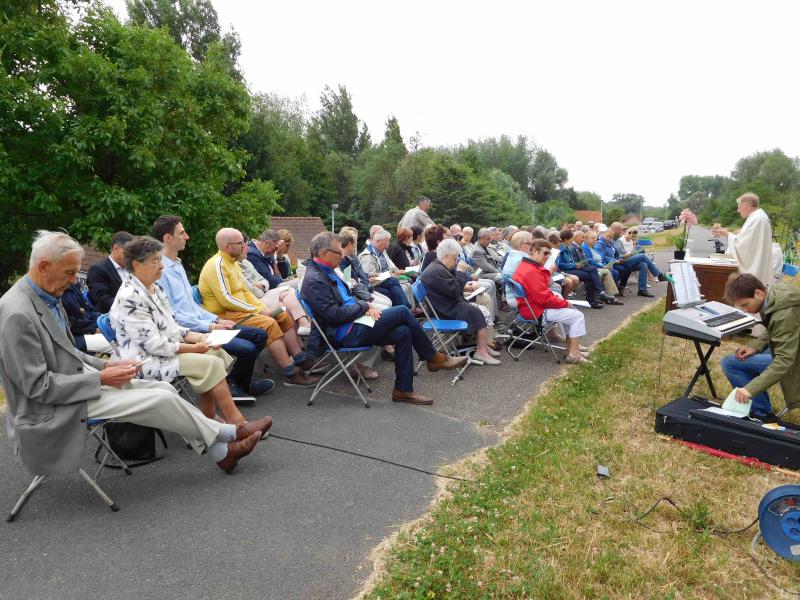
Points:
[(336, 124), (461, 196), (629, 203), (613, 213), (108, 126), (281, 152), (514, 158), (554, 213), (193, 24), (588, 201), (546, 176)]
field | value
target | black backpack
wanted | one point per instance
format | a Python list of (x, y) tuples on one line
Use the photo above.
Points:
[(134, 444)]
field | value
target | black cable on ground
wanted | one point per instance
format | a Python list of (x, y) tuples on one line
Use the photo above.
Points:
[(383, 460)]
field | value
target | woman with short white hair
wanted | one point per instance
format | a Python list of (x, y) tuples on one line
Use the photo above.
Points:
[(445, 285)]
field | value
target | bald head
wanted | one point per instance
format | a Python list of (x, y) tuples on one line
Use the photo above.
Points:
[(230, 241)]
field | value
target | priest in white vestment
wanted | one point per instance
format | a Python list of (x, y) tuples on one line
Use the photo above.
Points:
[(752, 246)]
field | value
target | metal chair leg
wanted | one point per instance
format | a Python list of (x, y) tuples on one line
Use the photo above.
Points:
[(109, 452), (111, 504), (38, 479)]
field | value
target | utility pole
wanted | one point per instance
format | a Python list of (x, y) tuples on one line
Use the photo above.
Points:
[(333, 217)]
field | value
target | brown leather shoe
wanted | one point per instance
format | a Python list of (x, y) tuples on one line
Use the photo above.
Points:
[(441, 361), (300, 379), (410, 397), (366, 372), (237, 450), (248, 428)]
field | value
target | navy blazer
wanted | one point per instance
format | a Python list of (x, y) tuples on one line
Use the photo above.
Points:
[(82, 315), (266, 265), (104, 283), (322, 295)]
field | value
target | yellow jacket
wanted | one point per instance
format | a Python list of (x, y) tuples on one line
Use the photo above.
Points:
[(223, 287)]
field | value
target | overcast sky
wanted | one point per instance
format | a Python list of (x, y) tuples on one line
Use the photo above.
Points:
[(629, 96)]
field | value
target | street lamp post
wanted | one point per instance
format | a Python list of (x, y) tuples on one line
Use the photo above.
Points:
[(333, 217)]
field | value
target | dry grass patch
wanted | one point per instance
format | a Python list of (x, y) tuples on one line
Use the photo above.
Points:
[(539, 523)]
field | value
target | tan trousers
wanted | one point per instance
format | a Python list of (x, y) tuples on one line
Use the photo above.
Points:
[(204, 371), (155, 404), (608, 282)]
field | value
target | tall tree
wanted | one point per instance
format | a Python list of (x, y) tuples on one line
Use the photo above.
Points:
[(193, 24), (513, 158), (107, 126), (546, 176), (630, 203), (336, 123)]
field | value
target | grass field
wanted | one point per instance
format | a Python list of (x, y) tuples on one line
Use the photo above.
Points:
[(536, 522), (663, 239)]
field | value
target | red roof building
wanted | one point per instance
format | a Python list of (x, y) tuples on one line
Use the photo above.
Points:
[(588, 215), (303, 230)]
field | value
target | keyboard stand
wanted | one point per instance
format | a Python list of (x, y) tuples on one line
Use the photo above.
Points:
[(703, 368)]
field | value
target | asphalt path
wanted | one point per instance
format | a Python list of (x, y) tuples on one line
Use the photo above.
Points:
[(294, 520)]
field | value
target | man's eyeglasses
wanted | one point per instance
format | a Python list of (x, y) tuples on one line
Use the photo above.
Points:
[(336, 252), (236, 243)]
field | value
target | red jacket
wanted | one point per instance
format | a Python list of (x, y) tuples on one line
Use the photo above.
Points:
[(535, 280)]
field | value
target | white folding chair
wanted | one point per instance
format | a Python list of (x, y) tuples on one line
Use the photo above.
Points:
[(343, 359), (529, 332), (95, 430)]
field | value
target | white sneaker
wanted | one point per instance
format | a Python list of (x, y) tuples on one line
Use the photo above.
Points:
[(485, 359), (304, 331), (494, 353)]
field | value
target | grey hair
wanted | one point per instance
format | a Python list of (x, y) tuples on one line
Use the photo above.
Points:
[(139, 249), (448, 247), (52, 246), (269, 235), (484, 231), (321, 242), (464, 230), (381, 234)]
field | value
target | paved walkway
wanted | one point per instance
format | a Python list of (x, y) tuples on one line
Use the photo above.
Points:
[(294, 521)]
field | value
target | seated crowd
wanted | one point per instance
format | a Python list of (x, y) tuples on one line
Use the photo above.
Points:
[(354, 299)]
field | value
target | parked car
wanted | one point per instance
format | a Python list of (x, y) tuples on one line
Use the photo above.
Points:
[(643, 229), (670, 224), (658, 226), (648, 220)]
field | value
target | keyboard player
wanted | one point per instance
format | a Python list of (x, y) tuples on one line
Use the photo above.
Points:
[(773, 357)]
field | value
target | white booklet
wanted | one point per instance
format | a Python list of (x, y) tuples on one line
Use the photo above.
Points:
[(220, 337), (97, 343), (474, 294), (581, 303), (740, 409), (383, 276), (365, 320), (412, 269)]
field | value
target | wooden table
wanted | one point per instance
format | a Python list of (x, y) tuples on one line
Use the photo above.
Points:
[(712, 278)]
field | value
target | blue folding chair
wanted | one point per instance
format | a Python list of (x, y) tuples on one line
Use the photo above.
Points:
[(343, 359), (529, 332), (790, 271), (196, 295), (648, 247), (442, 332)]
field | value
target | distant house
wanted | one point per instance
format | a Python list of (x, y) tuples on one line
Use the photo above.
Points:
[(303, 230), (588, 215)]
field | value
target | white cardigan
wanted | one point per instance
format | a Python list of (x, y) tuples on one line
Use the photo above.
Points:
[(146, 328)]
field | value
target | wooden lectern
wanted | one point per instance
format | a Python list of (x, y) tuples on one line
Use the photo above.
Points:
[(712, 277)]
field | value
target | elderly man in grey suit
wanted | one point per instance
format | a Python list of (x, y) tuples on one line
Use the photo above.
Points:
[(52, 388), (484, 259)]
